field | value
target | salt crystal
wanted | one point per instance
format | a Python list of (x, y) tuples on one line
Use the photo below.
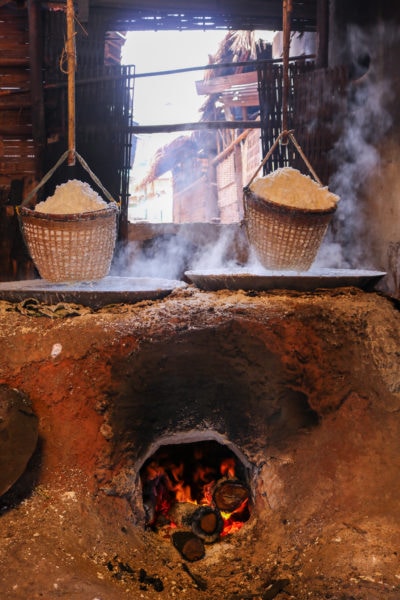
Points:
[(290, 187), (71, 197)]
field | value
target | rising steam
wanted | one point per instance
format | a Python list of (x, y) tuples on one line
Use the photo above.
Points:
[(355, 155), (363, 118)]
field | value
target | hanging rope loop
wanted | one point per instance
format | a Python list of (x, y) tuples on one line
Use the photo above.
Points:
[(27, 201), (285, 136)]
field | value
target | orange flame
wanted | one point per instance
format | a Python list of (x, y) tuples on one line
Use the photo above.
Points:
[(235, 520), (172, 483), (228, 468)]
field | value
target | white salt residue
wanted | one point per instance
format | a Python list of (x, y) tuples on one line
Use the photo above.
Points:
[(74, 196), (290, 187), (56, 350)]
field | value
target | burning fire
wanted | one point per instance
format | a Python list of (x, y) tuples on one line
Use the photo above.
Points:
[(198, 476)]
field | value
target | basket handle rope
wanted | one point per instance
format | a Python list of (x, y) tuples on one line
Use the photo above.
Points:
[(285, 134), (49, 174)]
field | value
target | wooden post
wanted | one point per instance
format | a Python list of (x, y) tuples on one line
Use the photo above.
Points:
[(37, 99), (322, 33), (287, 11), (71, 62)]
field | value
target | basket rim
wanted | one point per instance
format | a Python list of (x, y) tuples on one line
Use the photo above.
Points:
[(84, 216), (264, 203)]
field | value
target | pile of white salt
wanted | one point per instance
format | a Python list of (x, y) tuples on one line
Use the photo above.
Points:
[(290, 187), (71, 197)]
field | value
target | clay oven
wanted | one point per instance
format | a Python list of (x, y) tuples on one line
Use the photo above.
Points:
[(220, 383), (300, 389)]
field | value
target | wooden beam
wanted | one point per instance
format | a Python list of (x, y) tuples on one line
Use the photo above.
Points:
[(245, 95), (216, 85), (36, 74), (226, 151), (13, 62), (15, 102), (322, 33), (140, 129), (254, 63), (71, 62)]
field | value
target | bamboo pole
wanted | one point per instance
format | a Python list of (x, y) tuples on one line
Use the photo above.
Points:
[(253, 63), (71, 62), (231, 146), (287, 10), (196, 126), (36, 96)]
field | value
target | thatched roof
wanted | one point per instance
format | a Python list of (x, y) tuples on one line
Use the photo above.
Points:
[(236, 47), (168, 156)]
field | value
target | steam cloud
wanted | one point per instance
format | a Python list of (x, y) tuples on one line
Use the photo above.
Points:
[(162, 258), (363, 122), (355, 154)]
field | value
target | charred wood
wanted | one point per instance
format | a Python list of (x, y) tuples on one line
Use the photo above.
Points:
[(181, 513), (229, 495), (207, 524), (188, 545)]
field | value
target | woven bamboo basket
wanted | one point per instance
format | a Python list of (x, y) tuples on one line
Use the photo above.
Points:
[(72, 247), (284, 237)]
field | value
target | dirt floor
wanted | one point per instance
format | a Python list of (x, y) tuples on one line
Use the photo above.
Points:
[(54, 547), (325, 522)]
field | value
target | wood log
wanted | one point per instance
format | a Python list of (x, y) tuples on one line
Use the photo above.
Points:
[(181, 513), (15, 101), (229, 494), (188, 545), (14, 62), (207, 523)]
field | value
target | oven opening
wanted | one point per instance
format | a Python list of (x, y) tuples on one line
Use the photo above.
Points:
[(195, 492)]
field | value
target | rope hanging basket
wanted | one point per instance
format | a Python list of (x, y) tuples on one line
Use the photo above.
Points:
[(70, 247), (284, 237)]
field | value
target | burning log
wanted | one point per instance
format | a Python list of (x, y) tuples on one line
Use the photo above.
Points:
[(188, 545), (229, 495), (207, 523), (181, 513), (194, 490)]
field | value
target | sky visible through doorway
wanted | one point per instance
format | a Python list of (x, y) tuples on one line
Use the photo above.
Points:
[(167, 99)]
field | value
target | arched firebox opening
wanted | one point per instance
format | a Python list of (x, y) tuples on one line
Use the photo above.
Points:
[(199, 486), (222, 392)]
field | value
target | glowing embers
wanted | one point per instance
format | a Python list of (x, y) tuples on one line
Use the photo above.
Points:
[(196, 493)]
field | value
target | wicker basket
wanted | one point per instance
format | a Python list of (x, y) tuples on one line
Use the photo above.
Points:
[(72, 247), (284, 237)]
